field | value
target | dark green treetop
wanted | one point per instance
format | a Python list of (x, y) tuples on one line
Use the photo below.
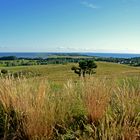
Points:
[(85, 67)]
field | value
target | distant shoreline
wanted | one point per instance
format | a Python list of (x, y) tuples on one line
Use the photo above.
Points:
[(46, 54)]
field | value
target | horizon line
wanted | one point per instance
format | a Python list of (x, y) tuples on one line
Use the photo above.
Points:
[(72, 52)]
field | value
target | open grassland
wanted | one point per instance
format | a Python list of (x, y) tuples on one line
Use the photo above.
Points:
[(89, 109), (56, 104), (60, 73)]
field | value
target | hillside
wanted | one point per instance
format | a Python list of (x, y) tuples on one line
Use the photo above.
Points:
[(60, 72)]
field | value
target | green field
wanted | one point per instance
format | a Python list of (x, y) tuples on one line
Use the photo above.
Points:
[(60, 72), (55, 104)]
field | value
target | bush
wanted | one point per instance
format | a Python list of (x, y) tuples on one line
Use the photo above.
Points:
[(4, 71)]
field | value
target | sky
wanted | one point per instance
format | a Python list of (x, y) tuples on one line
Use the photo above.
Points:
[(70, 26)]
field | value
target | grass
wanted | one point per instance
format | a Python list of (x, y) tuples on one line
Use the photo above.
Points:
[(89, 109), (114, 69), (103, 107), (61, 73)]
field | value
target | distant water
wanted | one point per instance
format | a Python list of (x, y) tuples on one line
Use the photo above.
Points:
[(114, 55), (45, 55)]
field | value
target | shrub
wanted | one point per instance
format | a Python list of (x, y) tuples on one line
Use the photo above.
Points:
[(4, 71)]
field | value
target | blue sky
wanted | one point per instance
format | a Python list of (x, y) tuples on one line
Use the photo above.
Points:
[(70, 26)]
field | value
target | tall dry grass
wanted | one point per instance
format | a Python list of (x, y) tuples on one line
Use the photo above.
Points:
[(102, 109)]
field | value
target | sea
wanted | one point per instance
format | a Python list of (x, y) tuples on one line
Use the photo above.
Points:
[(46, 54)]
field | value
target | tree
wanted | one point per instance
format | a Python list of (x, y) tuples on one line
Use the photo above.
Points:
[(85, 67), (76, 70), (91, 66), (8, 58)]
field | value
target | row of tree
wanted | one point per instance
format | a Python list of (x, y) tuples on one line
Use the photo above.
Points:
[(14, 61)]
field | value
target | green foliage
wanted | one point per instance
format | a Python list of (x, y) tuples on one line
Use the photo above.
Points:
[(4, 71), (10, 61), (8, 58), (85, 67)]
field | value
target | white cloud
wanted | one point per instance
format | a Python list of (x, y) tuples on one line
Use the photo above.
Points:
[(89, 5)]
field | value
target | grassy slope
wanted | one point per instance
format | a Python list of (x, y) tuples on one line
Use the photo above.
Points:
[(63, 72), (105, 68)]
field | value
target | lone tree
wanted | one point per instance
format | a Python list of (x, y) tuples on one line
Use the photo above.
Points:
[(85, 67)]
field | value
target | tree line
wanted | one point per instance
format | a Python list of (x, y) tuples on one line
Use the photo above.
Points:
[(14, 61)]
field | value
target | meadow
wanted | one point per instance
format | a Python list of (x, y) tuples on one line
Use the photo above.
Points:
[(63, 72), (55, 104)]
